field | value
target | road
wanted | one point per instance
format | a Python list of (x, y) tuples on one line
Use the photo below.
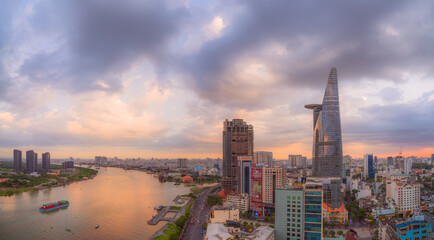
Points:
[(199, 214)]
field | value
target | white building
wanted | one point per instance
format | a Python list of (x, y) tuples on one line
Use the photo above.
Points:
[(406, 195), (408, 162), (240, 201), (296, 161), (217, 231)]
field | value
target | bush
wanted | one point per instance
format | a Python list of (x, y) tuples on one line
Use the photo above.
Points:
[(340, 232), (271, 226), (332, 233), (257, 225)]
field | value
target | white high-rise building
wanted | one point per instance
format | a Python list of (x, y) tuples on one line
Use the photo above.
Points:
[(406, 195), (408, 162)]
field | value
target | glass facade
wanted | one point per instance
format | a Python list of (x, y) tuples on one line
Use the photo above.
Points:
[(327, 158), (313, 214)]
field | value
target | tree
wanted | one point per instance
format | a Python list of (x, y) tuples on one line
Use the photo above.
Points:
[(325, 223), (266, 219), (333, 224), (347, 224), (214, 200), (376, 232), (257, 225), (332, 233), (204, 226), (340, 232)]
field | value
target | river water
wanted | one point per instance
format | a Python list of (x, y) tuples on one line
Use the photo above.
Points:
[(120, 202)]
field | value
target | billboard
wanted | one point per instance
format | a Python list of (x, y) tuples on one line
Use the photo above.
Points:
[(256, 188)]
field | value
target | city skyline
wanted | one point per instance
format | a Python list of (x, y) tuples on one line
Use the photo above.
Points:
[(159, 82)]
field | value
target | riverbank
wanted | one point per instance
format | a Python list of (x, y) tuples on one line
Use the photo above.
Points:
[(17, 183)]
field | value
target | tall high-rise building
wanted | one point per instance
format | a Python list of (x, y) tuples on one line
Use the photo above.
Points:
[(368, 166), (327, 136), (31, 161), (46, 161), (408, 163), (299, 213), (182, 162), (432, 159), (262, 157), (237, 141), (244, 165), (296, 161), (272, 178), (18, 160)]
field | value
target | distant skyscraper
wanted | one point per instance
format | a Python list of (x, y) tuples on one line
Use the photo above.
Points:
[(18, 160), (31, 161), (368, 166), (327, 136), (46, 161), (432, 159), (408, 162), (262, 157), (237, 141), (244, 165), (182, 162)]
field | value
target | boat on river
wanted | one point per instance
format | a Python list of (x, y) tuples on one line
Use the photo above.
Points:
[(51, 206)]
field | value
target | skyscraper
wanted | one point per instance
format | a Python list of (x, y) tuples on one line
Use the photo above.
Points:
[(390, 161), (327, 137), (46, 161), (18, 161), (262, 157), (31, 161), (296, 161), (368, 166), (237, 141)]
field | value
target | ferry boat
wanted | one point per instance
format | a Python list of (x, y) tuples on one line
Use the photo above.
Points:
[(158, 207), (51, 206)]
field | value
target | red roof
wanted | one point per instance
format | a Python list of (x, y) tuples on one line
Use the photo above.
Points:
[(224, 194), (186, 179), (328, 209)]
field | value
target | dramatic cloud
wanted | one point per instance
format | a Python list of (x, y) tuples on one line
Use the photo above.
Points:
[(158, 77)]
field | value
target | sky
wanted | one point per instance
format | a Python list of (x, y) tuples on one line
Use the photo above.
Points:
[(157, 78)]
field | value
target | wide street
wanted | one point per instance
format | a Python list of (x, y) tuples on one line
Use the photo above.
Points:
[(199, 214)]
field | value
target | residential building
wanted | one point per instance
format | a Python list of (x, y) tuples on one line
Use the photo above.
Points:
[(68, 165), (237, 141), (297, 161), (272, 178), (240, 201), (299, 212), (264, 158), (18, 160), (256, 190), (46, 161), (31, 161), (243, 176), (406, 195), (182, 162), (368, 166), (327, 136), (223, 214)]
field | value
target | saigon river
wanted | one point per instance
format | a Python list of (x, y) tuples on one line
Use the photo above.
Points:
[(119, 201)]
